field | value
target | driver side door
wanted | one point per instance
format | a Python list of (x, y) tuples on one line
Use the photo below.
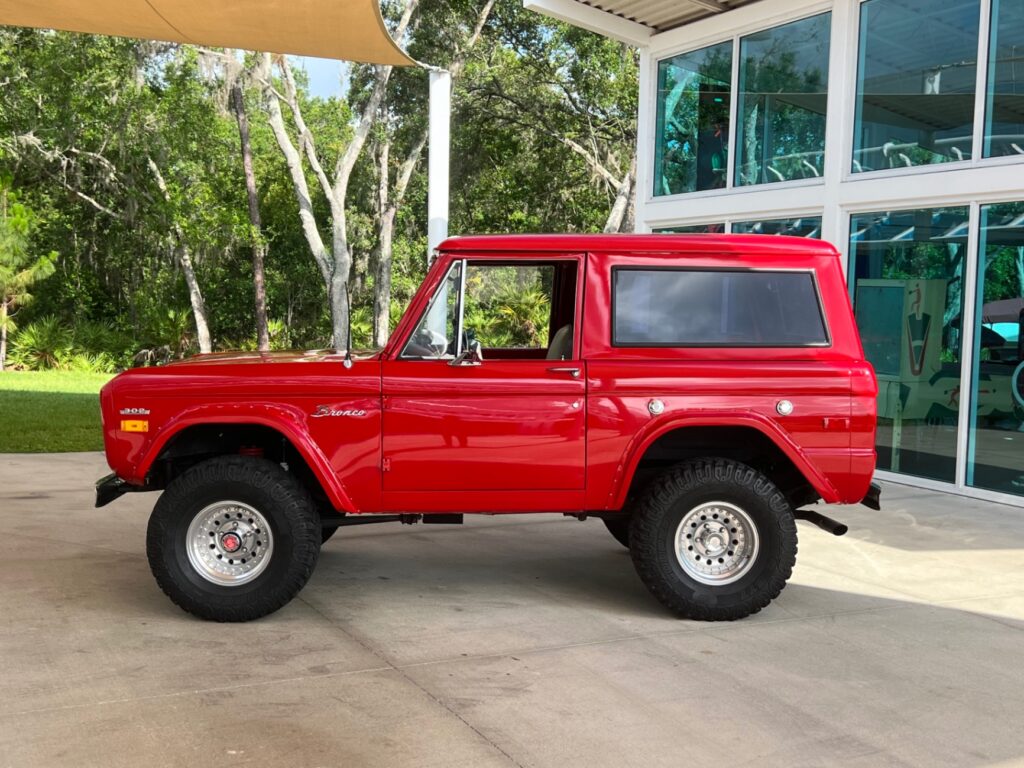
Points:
[(513, 422)]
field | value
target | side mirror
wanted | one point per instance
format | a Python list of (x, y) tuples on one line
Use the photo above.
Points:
[(473, 355)]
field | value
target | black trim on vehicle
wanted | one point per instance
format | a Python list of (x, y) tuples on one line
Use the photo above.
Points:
[(873, 499), (717, 345), (113, 487)]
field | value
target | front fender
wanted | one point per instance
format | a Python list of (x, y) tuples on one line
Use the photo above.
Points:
[(646, 437), (288, 420)]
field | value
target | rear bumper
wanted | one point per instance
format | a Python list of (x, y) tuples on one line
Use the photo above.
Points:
[(873, 498)]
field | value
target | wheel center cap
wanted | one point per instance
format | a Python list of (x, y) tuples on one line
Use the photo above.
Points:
[(231, 542)]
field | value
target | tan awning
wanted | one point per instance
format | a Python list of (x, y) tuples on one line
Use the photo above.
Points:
[(352, 30)]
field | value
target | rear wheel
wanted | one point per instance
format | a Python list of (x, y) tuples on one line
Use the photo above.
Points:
[(713, 539), (233, 539)]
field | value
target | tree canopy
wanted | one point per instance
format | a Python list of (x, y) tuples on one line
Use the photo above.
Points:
[(128, 154)]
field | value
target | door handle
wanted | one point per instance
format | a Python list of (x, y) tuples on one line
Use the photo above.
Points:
[(574, 372)]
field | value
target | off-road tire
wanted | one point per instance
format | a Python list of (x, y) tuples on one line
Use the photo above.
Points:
[(619, 529), (671, 497), (279, 498)]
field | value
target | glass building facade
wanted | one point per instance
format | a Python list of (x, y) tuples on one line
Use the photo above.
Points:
[(782, 105), (895, 130)]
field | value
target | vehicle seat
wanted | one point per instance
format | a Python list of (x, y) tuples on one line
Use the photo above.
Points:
[(560, 347)]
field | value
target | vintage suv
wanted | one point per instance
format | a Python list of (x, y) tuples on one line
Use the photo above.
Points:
[(692, 391)]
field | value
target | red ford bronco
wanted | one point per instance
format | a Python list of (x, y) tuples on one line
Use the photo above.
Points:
[(693, 392)]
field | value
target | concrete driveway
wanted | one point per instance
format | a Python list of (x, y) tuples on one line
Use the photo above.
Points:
[(517, 641)]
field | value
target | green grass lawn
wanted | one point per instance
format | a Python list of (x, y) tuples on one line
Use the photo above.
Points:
[(50, 411)]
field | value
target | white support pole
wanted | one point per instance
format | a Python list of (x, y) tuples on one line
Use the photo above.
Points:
[(438, 156)]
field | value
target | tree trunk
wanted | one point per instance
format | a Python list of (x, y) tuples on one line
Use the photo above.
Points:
[(389, 208), (3, 335), (195, 296), (382, 284), (622, 200), (259, 246)]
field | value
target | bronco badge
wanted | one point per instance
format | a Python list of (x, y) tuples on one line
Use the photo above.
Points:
[(326, 410)]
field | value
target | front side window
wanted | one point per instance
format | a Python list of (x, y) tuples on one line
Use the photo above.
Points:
[(692, 143), (509, 307), (915, 83), (783, 90), (721, 308), (514, 311)]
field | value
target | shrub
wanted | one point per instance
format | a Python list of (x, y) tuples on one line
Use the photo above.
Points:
[(42, 345)]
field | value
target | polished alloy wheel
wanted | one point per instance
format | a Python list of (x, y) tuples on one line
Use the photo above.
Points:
[(716, 543), (229, 543)]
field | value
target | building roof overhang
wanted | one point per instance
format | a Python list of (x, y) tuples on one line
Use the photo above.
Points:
[(633, 21)]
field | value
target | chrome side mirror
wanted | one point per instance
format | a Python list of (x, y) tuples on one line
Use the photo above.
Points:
[(473, 355)]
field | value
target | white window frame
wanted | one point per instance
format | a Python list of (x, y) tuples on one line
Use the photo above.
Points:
[(842, 194)]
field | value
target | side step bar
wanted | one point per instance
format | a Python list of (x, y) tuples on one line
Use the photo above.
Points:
[(340, 521)]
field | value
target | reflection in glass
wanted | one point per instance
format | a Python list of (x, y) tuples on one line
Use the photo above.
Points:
[(691, 146), (906, 273), (805, 226), (915, 83), (1004, 115), (685, 229), (782, 95), (996, 454)]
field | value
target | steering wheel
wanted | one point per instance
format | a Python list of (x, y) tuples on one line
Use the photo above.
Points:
[(431, 343)]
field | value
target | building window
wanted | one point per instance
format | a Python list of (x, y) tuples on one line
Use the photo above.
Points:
[(805, 226), (689, 229), (715, 308), (996, 454), (1004, 115), (906, 273), (915, 83), (692, 143), (783, 86)]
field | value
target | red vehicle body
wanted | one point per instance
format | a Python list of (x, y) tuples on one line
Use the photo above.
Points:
[(380, 433)]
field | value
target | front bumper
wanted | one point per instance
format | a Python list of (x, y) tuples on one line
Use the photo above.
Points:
[(113, 487)]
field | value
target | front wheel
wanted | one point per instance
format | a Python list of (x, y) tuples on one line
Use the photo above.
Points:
[(233, 538), (714, 540)]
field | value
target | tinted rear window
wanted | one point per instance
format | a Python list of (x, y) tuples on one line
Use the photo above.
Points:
[(720, 308)]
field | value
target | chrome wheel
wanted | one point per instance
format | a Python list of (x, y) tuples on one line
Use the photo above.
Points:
[(229, 543), (716, 543)]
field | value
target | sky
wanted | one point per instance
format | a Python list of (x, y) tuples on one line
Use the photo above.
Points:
[(324, 75)]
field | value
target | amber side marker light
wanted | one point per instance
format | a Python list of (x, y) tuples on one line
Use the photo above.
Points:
[(135, 425)]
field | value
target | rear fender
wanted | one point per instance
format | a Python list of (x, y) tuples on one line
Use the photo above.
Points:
[(646, 437), (287, 420)]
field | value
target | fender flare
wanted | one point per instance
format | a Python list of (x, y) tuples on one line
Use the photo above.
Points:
[(646, 437), (287, 420)]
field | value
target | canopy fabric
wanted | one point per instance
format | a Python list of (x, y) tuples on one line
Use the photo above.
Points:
[(352, 30)]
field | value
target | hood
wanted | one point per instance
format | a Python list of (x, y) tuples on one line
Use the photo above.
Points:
[(243, 358)]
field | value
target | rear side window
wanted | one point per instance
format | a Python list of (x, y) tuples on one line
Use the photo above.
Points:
[(715, 308)]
